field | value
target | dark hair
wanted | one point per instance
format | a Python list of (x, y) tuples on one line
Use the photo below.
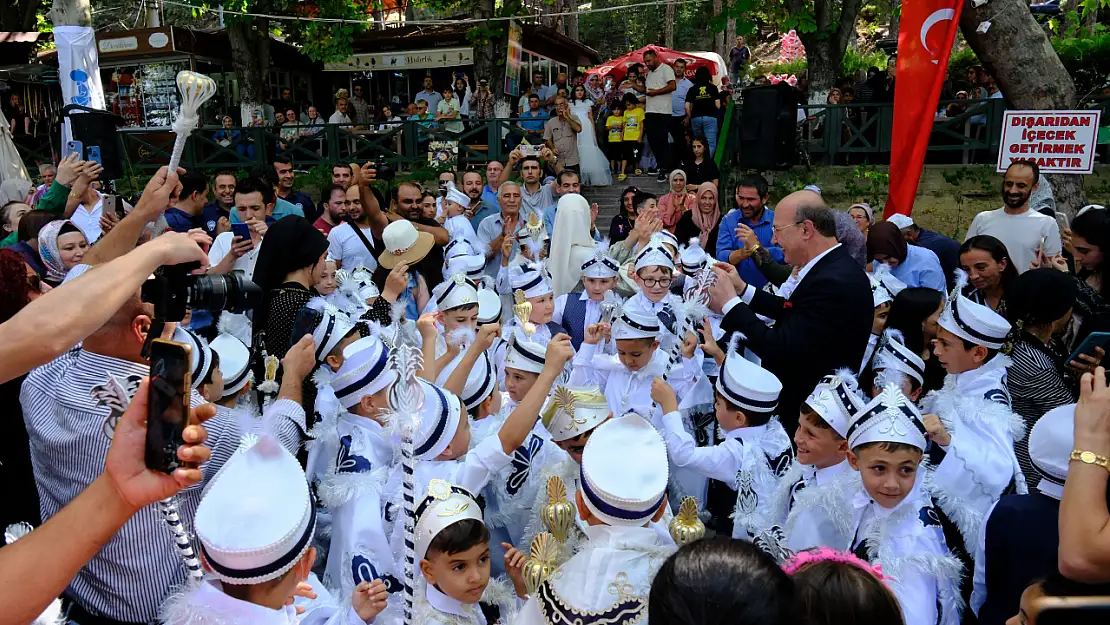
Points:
[(566, 173), (265, 172), (255, 185), (13, 276), (284, 159), (754, 181), (222, 172), (331, 188), (822, 217), (1031, 165), (459, 537), (640, 198), (192, 183), (630, 98), (1040, 296), (212, 368), (701, 75), (832, 593), (343, 166), (910, 308), (887, 446), (755, 419), (31, 223), (1094, 226), (531, 157), (997, 250), (69, 228), (533, 95), (721, 581)]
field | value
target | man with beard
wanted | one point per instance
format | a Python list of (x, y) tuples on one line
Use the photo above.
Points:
[(1025, 232), (334, 209), (223, 188), (472, 186), (744, 231)]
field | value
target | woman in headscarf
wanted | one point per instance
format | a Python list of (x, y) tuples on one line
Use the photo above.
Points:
[(913, 265), (571, 245), (704, 221), (290, 263), (863, 215), (1039, 303), (678, 201), (62, 246)]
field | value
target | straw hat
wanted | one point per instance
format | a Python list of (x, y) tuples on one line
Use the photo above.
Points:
[(404, 244)]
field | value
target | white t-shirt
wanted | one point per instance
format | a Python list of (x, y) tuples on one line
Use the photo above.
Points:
[(657, 79), (88, 220), (221, 247), (347, 248), (1022, 234)]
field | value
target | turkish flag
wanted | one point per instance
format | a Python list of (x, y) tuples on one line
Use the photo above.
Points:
[(926, 33)]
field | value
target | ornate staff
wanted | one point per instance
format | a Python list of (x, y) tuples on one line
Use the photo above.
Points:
[(406, 399), (686, 527), (196, 89), (694, 304)]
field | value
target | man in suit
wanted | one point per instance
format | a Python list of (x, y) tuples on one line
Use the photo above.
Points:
[(824, 323)]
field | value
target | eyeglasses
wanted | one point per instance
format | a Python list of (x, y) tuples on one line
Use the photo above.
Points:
[(778, 229), (651, 283)]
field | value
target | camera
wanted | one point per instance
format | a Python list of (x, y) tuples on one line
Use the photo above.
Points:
[(383, 170), (172, 289)]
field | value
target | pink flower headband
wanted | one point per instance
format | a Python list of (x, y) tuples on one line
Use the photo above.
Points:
[(825, 554)]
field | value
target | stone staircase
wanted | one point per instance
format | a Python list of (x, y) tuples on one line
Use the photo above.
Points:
[(608, 198)]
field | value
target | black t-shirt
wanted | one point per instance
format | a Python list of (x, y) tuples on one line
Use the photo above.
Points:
[(706, 172), (704, 100)]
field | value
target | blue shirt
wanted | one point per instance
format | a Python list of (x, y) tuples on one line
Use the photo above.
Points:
[(678, 97), (727, 241), (487, 208), (281, 209), (549, 222), (921, 268), (947, 250), (489, 196), (533, 122), (181, 221)]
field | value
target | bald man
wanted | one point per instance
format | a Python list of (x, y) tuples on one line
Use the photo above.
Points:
[(824, 321)]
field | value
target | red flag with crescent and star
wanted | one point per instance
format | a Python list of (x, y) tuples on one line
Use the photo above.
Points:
[(927, 30)]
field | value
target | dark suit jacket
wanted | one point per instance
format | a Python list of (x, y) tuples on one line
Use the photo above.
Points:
[(823, 327), (1023, 536)]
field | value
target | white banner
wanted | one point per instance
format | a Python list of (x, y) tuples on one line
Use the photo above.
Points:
[(1059, 142), (78, 71)]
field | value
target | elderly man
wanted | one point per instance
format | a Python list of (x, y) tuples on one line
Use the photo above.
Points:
[(493, 229), (561, 135), (823, 325)]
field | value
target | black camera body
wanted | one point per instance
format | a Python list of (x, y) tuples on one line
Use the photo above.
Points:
[(173, 289), (383, 170)]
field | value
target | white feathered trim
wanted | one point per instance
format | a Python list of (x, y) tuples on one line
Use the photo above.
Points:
[(183, 607), (323, 376), (336, 489), (834, 497), (968, 520), (236, 325), (960, 284), (460, 336), (848, 378), (52, 615), (757, 457)]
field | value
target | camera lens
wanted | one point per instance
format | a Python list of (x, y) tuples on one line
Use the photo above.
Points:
[(231, 292)]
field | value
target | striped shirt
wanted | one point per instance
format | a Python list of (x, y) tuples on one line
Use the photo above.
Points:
[(1037, 384), (70, 429)]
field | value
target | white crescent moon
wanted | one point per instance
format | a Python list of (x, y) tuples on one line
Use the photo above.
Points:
[(934, 18)]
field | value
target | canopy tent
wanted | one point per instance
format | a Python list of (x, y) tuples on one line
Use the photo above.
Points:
[(618, 67)]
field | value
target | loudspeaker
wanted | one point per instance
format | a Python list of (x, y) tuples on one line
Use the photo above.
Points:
[(96, 130), (768, 127)]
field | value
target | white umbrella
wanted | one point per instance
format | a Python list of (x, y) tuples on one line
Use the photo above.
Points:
[(11, 164)]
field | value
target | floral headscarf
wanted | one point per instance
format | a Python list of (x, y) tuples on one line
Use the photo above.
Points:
[(49, 252)]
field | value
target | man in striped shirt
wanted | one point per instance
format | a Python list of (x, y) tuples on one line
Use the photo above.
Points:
[(70, 409)]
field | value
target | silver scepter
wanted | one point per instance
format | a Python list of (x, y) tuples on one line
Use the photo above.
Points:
[(694, 304), (196, 89), (406, 398)]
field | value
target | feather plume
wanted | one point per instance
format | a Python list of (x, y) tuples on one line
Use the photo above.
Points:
[(848, 378), (236, 325), (460, 336), (961, 283), (734, 343)]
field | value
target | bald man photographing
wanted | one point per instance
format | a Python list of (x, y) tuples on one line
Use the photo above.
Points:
[(823, 322)]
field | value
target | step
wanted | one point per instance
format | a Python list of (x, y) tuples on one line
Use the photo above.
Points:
[(608, 198)]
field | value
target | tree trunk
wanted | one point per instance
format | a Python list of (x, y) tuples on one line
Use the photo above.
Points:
[(250, 55), (719, 38), (572, 22), (895, 18), (18, 15), (489, 54), (1017, 53), (825, 46), (668, 26)]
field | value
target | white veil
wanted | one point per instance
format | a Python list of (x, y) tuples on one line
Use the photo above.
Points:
[(571, 243)]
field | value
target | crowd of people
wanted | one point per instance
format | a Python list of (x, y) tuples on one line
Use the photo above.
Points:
[(469, 404)]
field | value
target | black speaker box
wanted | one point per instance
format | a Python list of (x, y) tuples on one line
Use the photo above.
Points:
[(97, 129), (768, 127)]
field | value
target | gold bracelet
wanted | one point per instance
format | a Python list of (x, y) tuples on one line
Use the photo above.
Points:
[(1090, 457)]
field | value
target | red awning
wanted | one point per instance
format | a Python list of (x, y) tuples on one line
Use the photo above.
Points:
[(618, 67)]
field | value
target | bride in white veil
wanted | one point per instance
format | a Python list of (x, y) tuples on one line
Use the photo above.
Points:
[(571, 243), (593, 166)]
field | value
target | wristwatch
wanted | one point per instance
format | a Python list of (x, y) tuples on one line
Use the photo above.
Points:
[(1090, 457)]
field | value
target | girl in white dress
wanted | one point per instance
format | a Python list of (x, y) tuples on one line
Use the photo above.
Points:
[(593, 167)]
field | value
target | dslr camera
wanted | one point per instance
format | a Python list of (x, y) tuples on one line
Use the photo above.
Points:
[(173, 289)]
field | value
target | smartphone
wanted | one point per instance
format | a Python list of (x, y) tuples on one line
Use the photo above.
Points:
[(111, 203), (168, 405), (304, 323), (1069, 610), (76, 147), (1062, 221), (241, 230), (94, 154), (1093, 340)]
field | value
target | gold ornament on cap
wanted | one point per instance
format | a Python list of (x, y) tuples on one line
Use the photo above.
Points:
[(535, 227), (522, 309), (542, 561), (686, 527), (558, 513)]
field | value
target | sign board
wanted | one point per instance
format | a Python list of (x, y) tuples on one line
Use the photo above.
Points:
[(415, 59), (1060, 142), (121, 44), (512, 64)]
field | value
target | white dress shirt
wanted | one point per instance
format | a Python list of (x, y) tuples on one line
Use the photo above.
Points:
[(88, 220), (749, 292)]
